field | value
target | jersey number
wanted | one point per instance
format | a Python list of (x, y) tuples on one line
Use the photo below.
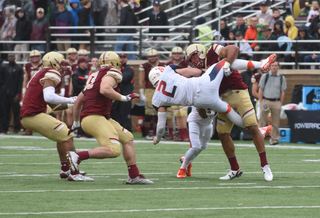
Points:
[(163, 85), (90, 81)]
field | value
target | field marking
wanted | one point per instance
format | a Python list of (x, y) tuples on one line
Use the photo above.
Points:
[(282, 146), (162, 189), (162, 209)]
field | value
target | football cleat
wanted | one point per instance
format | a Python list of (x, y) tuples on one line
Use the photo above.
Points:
[(28, 132), (189, 169), (65, 174), (266, 63), (149, 137), (181, 173), (268, 176), (232, 174), (179, 139), (73, 160), (169, 138), (79, 178), (265, 130), (139, 180)]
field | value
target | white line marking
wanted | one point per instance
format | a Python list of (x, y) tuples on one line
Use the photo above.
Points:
[(159, 189), (282, 146), (312, 160), (162, 209)]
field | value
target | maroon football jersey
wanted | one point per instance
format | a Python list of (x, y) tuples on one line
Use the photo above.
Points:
[(234, 81), (31, 69), (33, 102), (182, 64), (257, 76), (147, 67), (94, 102)]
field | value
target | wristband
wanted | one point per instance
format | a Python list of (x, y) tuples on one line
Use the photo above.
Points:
[(70, 105), (76, 123), (123, 98), (226, 65)]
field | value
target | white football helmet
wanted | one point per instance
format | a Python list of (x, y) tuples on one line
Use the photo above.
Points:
[(155, 75)]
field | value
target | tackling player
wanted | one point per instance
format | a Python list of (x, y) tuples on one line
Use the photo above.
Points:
[(30, 69), (235, 93), (146, 90), (96, 101), (41, 91)]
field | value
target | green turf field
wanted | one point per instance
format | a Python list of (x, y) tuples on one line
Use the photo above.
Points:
[(31, 187)]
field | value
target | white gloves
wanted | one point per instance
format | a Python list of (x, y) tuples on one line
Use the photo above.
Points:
[(73, 99), (226, 69), (142, 96)]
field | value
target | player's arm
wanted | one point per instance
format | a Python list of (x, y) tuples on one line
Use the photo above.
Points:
[(189, 72), (142, 84), (50, 96), (229, 52), (25, 82), (107, 86), (255, 90), (77, 110), (161, 125)]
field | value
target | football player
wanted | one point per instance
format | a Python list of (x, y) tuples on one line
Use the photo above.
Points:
[(93, 109), (180, 112), (40, 92), (72, 57), (30, 69), (146, 90), (235, 93), (200, 132)]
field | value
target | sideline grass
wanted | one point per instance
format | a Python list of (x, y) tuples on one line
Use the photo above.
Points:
[(31, 187)]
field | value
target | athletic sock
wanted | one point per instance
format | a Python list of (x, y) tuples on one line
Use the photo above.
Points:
[(83, 155), (147, 129), (64, 165), (263, 158), (171, 132), (133, 171), (243, 64), (233, 163)]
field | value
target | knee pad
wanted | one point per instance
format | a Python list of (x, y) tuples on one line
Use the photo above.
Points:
[(148, 118)]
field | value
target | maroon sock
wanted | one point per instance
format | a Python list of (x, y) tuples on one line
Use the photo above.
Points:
[(233, 163), (185, 133), (263, 158), (64, 165), (133, 171), (170, 131), (83, 155), (147, 129)]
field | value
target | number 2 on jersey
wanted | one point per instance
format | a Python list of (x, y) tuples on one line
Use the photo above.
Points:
[(163, 85)]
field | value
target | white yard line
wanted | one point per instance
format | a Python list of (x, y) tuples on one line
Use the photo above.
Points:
[(282, 146), (163, 209), (163, 189)]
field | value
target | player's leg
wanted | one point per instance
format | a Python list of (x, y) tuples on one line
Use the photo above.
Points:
[(264, 65), (149, 112), (170, 123), (129, 155)]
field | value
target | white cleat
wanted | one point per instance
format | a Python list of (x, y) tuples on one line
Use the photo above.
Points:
[(73, 160), (266, 63), (139, 180), (65, 174), (265, 130), (149, 137), (232, 174), (79, 178), (268, 176)]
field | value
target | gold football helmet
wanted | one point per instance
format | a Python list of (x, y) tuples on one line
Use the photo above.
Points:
[(152, 56), (72, 54), (196, 55), (109, 58), (52, 60), (177, 53), (83, 52), (35, 56)]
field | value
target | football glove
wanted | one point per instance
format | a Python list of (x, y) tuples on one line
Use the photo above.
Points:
[(132, 96)]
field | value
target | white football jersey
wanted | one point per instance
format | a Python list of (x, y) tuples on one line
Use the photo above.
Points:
[(173, 89), (195, 117)]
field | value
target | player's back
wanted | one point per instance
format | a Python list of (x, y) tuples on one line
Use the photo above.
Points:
[(33, 102), (174, 89)]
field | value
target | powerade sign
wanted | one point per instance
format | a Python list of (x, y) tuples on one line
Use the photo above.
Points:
[(304, 125), (307, 125)]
